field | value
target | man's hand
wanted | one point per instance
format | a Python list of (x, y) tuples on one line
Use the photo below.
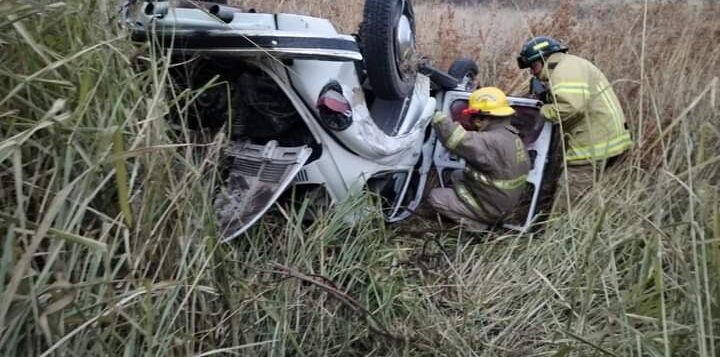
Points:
[(547, 97)]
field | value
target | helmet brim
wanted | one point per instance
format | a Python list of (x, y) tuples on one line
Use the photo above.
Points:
[(501, 112), (498, 112)]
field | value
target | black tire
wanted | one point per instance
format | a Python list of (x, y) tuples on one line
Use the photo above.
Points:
[(465, 71), (391, 75)]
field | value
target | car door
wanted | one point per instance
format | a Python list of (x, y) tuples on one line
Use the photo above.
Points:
[(454, 102), (535, 132)]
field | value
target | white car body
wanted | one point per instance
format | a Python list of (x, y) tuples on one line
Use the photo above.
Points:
[(349, 157)]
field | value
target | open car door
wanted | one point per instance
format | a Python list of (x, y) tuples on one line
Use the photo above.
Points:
[(535, 132)]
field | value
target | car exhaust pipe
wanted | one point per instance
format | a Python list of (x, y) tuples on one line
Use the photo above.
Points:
[(440, 78), (159, 9), (224, 13)]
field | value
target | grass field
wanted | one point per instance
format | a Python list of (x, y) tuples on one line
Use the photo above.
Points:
[(109, 245)]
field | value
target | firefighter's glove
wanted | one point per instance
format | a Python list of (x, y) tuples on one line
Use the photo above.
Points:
[(438, 117), (540, 91), (547, 97)]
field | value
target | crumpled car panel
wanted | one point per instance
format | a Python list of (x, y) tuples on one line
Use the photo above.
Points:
[(258, 175)]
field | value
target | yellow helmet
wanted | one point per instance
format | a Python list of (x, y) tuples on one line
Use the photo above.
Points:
[(490, 101)]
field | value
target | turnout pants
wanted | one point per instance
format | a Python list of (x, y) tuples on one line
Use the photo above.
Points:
[(449, 205), (580, 181)]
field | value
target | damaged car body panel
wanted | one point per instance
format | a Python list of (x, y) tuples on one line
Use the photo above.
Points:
[(258, 175)]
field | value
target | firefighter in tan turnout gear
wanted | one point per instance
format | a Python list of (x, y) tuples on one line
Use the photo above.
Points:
[(494, 178), (583, 102)]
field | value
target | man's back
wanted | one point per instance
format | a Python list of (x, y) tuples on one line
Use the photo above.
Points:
[(504, 169), (585, 103), (496, 167)]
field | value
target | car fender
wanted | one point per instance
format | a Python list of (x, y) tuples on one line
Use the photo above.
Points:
[(364, 137)]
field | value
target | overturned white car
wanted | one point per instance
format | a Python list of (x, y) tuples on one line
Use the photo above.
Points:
[(307, 106)]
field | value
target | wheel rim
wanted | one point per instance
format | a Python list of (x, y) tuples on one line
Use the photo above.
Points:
[(405, 46)]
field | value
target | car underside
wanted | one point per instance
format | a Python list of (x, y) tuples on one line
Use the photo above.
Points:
[(241, 96)]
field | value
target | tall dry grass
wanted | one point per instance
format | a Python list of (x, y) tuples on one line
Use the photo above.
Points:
[(108, 236)]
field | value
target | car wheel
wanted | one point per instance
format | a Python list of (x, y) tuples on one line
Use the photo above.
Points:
[(389, 49), (465, 71)]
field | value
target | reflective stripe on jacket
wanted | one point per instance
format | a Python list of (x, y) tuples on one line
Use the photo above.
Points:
[(496, 169), (586, 105)]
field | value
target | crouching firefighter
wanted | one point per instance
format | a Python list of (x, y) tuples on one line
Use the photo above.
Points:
[(493, 181), (583, 103)]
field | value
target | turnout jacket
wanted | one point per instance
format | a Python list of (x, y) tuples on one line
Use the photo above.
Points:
[(495, 174), (583, 101)]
